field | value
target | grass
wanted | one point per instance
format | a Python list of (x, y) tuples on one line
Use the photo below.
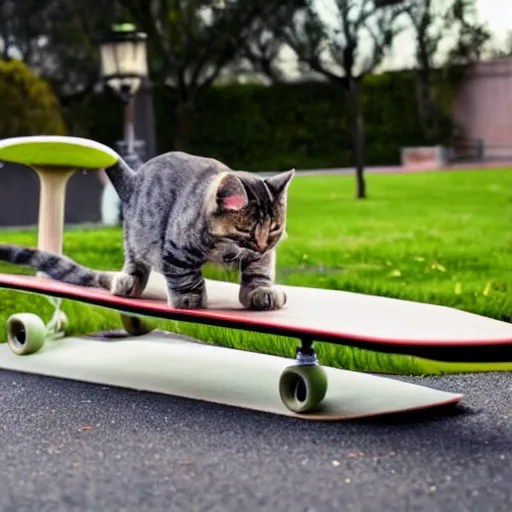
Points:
[(443, 238)]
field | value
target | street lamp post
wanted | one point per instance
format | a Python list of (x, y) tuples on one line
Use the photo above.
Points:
[(123, 67), (123, 57)]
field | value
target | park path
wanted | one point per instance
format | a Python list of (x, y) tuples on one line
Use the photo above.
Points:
[(398, 169), (71, 446)]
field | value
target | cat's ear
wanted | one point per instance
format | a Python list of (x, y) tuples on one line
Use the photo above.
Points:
[(279, 183), (231, 193)]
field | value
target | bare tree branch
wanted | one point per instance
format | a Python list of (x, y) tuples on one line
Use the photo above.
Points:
[(433, 22), (337, 54)]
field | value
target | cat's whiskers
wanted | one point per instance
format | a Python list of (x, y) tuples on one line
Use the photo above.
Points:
[(240, 259)]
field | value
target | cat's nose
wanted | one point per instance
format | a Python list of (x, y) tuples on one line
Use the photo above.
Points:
[(262, 245), (261, 238)]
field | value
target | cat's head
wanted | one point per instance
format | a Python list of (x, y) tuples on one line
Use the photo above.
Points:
[(248, 213)]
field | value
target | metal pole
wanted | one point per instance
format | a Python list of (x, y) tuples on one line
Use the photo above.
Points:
[(129, 133), (129, 153)]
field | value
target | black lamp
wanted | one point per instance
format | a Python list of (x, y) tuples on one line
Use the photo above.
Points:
[(123, 55), (124, 59)]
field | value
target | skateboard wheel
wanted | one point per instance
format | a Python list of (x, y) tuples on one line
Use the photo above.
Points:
[(135, 326), (302, 388), (26, 333)]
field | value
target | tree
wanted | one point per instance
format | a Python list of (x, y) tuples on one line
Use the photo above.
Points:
[(263, 53), (339, 54), (29, 106), (19, 27), (57, 39), (472, 35), (262, 48), (259, 55), (435, 22), (192, 41)]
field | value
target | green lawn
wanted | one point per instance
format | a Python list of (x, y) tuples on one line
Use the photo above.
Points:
[(443, 238)]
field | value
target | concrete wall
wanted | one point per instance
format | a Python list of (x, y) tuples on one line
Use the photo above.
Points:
[(19, 196), (483, 107)]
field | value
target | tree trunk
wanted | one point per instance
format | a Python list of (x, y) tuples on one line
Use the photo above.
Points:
[(427, 107), (357, 132), (184, 121)]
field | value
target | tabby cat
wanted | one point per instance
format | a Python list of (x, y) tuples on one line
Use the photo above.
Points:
[(181, 211)]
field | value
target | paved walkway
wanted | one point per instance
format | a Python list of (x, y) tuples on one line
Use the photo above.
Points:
[(69, 446), (398, 169)]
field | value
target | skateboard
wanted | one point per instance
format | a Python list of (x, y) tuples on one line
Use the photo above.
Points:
[(255, 381), (343, 318)]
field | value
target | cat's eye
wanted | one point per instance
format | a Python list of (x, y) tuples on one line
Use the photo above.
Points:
[(274, 227), (243, 231)]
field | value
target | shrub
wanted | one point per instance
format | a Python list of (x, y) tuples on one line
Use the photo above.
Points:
[(277, 127), (29, 106)]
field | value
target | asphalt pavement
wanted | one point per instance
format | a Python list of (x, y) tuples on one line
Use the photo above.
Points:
[(71, 446)]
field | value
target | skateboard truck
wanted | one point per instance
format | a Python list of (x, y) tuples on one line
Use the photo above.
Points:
[(305, 354)]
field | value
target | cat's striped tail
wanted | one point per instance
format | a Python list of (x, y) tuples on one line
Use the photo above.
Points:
[(60, 268), (121, 176)]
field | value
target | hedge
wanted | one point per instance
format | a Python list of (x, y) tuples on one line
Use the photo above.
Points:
[(256, 127)]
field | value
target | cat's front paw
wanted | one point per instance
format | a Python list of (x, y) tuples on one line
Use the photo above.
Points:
[(123, 285), (264, 298), (187, 301)]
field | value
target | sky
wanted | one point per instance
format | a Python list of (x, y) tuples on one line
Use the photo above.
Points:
[(496, 13)]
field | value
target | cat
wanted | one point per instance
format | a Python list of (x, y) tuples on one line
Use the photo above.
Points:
[(181, 211)]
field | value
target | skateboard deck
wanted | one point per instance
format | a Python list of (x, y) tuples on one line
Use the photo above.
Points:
[(163, 363), (344, 318)]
